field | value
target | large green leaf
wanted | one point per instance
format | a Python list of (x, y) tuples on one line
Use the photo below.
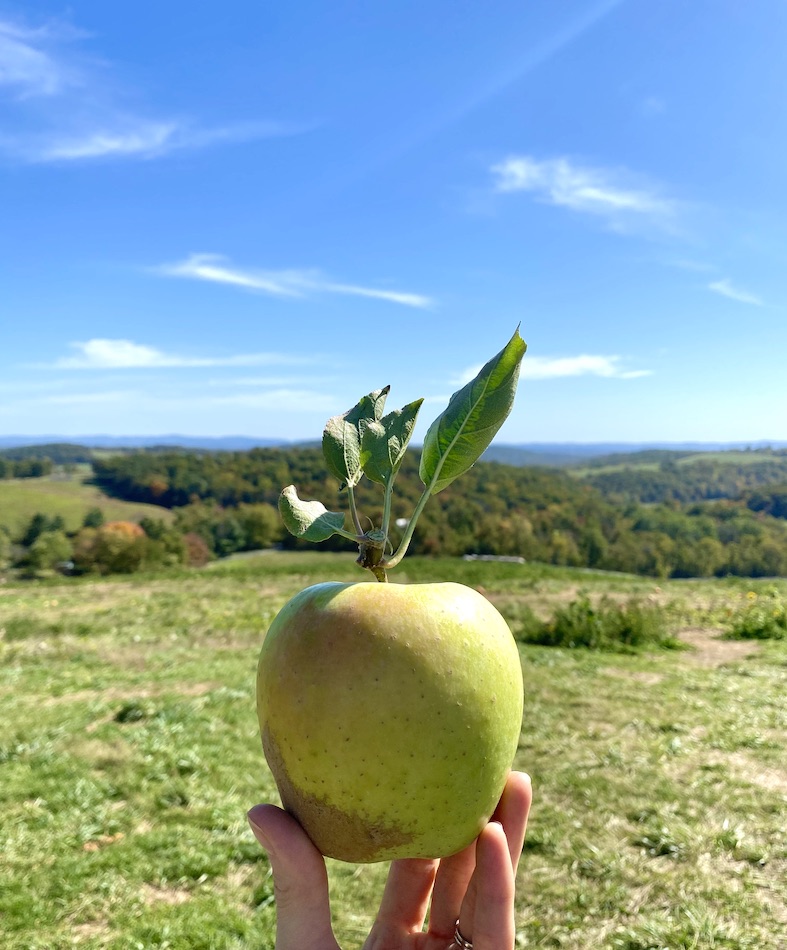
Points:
[(459, 436), (341, 439), (384, 443), (310, 520)]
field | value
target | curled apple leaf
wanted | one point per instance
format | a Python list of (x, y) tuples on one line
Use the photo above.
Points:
[(384, 443), (341, 439), (310, 520), (461, 433)]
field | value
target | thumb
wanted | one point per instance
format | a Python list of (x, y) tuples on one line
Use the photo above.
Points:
[(300, 881)]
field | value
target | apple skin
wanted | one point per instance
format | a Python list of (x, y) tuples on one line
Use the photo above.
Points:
[(390, 715)]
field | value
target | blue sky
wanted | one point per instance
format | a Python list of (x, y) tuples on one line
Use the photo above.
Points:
[(237, 219)]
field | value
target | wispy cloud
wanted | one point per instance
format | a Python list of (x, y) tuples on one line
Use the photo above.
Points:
[(28, 64), (63, 109), (284, 283), (141, 138), (101, 353), (546, 367), (295, 399), (727, 289), (605, 192)]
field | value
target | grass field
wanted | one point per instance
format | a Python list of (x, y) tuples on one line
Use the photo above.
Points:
[(728, 457), (69, 496), (129, 755)]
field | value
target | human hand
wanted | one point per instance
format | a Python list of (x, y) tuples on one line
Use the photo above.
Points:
[(475, 886)]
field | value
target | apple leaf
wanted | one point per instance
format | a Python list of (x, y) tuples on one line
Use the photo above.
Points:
[(384, 442), (310, 520), (461, 433), (341, 439)]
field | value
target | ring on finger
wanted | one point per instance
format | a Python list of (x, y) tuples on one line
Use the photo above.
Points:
[(460, 941)]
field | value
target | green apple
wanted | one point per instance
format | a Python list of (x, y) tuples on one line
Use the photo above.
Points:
[(390, 716)]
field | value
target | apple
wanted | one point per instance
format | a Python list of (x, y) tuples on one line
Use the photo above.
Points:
[(390, 715)]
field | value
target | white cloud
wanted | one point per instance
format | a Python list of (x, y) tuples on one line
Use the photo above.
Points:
[(68, 111), (124, 354), (27, 67), (285, 283), (598, 191), (546, 367), (147, 138), (392, 296), (210, 267), (726, 289), (141, 138)]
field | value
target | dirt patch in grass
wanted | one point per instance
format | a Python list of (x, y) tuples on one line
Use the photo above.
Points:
[(707, 648), (638, 676), (90, 930), (750, 770), (153, 894), (113, 694)]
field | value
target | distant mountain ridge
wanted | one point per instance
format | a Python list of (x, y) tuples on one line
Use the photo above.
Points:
[(224, 443), (571, 453), (525, 453)]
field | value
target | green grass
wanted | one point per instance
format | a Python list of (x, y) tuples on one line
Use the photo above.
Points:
[(725, 458), (129, 755), (68, 496), (585, 470)]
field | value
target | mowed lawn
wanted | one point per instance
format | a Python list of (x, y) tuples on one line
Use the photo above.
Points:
[(71, 497), (129, 754)]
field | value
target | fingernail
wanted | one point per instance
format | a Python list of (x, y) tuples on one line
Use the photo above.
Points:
[(259, 834)]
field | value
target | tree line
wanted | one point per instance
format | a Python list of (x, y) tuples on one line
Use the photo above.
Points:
[(228, 500), (25, 467), (698, 479)]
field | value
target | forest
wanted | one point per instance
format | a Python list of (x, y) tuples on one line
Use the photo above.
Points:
[(711, 516), (656, 513)]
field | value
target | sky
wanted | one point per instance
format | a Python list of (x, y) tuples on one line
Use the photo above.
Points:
[(238, 219)]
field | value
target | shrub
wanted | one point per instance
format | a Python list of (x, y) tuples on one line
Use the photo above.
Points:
[(48, 552), (117, 547), (197, 551), (763, 617), (523, 622), (93, 518), (604, 626), (5, 547)]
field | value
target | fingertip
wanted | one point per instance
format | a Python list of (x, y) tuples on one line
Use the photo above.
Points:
[(493, 916), (513, 811), (491, 840), (258, 818), (300, 879), (283, 837), (520, 784)]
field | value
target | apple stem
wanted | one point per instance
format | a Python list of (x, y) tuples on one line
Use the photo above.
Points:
[(354, 510), (370, 557), (407, 537)]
